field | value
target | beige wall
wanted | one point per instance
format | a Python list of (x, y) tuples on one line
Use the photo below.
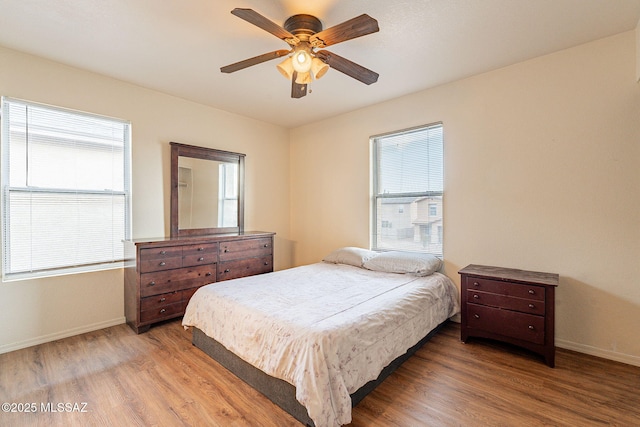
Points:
[(542, 172), (34, 311)]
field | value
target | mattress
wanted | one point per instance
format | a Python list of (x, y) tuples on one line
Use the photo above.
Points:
[(327, 329)]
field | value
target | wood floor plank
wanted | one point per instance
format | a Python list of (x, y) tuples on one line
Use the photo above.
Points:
[(160, 379)]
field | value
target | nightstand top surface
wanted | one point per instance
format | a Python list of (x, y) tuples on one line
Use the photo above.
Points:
[(511, 274)]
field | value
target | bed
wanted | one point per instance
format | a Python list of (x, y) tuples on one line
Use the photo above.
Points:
[(316, 338)]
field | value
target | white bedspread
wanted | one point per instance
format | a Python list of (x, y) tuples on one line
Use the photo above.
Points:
[(325, 328)]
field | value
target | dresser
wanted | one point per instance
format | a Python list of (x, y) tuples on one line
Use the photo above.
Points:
[(161, 275), (509, 305)]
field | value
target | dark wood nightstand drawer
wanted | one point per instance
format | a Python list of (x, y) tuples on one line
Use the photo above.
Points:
[(509, 303), (508, 323), (507, 288)]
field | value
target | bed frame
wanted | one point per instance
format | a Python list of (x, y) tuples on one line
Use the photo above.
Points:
[(281, 392)]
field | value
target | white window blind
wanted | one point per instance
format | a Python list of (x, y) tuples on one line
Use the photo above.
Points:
[(228, 195), (408, 187), (66, 190)]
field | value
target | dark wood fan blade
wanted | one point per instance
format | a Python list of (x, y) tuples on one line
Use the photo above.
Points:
[(254, 61), (297, 90), (347, 67), (253, 17), (356, 27)]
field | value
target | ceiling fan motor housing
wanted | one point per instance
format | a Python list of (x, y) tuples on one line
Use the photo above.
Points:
[(303, 25)]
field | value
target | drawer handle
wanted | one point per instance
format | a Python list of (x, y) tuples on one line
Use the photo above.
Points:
[(476, 284), (208, 273), (163, 310), (163, 299), (162, 264), (477, 316), (531, 327), (226, 250), (532, 306), (266, 263), (532, 292), (201, 249), (152, 283), (227, 270), (476, 296), (266, 245), (201, 259), (163, 252)]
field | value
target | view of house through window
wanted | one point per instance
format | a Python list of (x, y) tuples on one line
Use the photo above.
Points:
[(66, 189), (408, 190)]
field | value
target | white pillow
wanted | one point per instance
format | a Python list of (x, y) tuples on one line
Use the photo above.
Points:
[(404, 262), (350, 256)]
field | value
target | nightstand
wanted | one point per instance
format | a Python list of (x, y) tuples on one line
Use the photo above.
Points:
[(509, 305)]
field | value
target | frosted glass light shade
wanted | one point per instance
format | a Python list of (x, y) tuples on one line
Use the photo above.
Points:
[(286, 68), (318, 68), (301, 61)]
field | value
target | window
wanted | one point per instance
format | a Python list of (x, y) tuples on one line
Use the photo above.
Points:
[(228, 195), (65, 190), (407, 190)]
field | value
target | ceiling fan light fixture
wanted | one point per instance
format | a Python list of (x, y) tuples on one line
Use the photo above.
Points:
[(318, 68), (286, 68), (301, 61), (305, 35)]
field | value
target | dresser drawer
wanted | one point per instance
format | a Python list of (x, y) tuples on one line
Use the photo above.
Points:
[(160, 301), (199, 254), (522, 326), (172, 280), (158, 259), (518, 290), (150, 265), (160, 253), (507, 302), (244, 267), (250, 248), (186, 296), (159, 313)]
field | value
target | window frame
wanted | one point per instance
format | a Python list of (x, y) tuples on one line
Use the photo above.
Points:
[(376, 195), (118, 258)]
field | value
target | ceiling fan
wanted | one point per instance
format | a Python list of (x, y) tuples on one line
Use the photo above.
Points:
[(305, 35)]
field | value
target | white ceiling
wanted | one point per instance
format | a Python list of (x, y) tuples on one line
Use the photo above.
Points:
[(178, 46)]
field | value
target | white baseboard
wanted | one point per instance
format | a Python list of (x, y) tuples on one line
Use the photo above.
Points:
[(62, 334), (587, 349), (598, 352)]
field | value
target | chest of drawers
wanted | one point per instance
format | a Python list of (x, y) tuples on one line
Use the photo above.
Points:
[(161, 275), (509, 305)]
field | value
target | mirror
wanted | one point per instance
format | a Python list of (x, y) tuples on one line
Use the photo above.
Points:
[(207, 191)]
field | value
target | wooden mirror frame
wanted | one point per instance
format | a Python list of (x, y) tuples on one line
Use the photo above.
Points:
[(184, 150)]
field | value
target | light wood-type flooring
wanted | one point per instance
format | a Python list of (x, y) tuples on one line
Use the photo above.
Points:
[(114, 377)]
